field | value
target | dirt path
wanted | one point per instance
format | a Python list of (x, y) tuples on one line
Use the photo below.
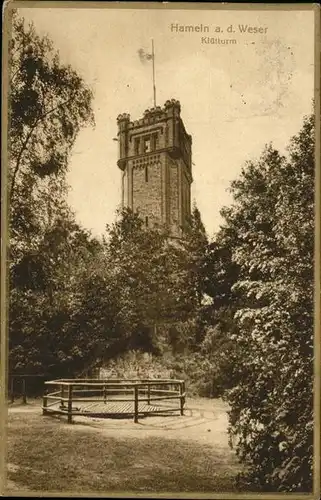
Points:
[(204, 421), (201, 423)]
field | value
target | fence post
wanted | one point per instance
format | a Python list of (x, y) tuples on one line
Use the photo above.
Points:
[(24, 393), (105, 394), (62, 395), (148, 394), (136, 404), (182, 397), (70, 404), (44, 404), (12, 389)]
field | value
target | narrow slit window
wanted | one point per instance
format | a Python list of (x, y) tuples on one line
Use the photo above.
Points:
[(146, 220), (155, 141), (147, 145), (136, 147), (146, 173)]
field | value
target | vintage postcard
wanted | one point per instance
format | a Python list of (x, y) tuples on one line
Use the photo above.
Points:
[(161, 250)]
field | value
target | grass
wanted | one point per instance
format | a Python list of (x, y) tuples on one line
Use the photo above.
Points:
[(47, 455)]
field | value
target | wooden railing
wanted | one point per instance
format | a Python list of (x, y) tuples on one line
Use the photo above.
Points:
[(88, 392)]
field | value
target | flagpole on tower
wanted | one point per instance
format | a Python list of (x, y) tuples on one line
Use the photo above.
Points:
[(154, 86)]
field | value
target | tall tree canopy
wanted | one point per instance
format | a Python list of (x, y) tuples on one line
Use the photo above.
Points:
[(153, 275), (270, 231), (49, 103), (49, 252)]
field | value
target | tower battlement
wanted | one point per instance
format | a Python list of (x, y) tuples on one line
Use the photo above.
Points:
[(155, 155), (170, 109)]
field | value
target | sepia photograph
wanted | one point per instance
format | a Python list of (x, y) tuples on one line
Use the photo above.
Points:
[(160, 276)]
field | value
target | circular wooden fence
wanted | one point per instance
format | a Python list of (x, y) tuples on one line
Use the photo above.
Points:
[(113, 398)]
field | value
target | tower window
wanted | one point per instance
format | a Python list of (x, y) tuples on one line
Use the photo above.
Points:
[(136, 146), (147, 145), (146, 173), (154, 141)]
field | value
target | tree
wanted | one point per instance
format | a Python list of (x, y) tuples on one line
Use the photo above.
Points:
[(49, 103), (149, 275), (49, 252), (272, 222), (46, 302), (195, 241)]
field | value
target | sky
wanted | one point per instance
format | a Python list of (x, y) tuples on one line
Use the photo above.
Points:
[(235, 97)]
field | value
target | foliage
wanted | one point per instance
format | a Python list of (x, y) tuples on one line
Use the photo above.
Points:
[(49, 252), (149, 273), (46, 298), (136, 364), (49, 103), (271, 224), (196, 246)]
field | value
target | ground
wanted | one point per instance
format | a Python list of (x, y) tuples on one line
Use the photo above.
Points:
[(159, 454)]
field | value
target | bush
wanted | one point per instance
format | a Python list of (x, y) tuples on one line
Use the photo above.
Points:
[(135, 364), (192, 368)]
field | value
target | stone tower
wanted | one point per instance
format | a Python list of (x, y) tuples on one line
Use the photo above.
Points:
[(155, 156)]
